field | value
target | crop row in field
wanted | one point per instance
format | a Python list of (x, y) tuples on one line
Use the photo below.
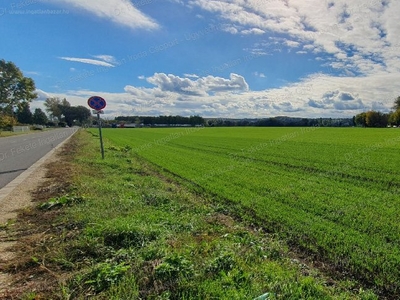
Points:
[(332, 192)]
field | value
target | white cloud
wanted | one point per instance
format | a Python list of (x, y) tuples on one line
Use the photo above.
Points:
[(121, 12), (347, 31), (31, 73), (292, 44), (41, 95), (315, 96), (191, 75), (253, 31), (88, 61), (107, 58), (259, 74), (201, 86)]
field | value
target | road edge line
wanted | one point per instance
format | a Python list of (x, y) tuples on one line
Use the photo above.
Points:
[(11, 186)]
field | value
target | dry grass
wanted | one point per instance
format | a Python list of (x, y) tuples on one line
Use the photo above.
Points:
[(35, 232)]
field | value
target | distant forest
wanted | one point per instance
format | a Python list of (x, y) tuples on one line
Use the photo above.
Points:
[(176, 121), (161, 120)]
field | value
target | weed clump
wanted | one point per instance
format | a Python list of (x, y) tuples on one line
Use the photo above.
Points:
[(58, 202), (129, 238)]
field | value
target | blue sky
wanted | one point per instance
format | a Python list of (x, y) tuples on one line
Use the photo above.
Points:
[(214, 58)]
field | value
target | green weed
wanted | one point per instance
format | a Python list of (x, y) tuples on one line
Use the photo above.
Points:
[(101, 277), (59, 202)]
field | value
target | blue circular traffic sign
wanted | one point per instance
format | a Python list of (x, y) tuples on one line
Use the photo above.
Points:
[(97, 102)]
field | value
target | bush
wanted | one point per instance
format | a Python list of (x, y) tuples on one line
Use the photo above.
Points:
[(7, 122)]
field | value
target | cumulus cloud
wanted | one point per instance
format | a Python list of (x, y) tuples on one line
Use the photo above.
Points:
[(353, 105), (316, 104), (347, 31), (253, 31), (121, 12), (41, 95), (346, 96), (199, 87), (286, 107), (314, 96), (173, 83), (338, 100)]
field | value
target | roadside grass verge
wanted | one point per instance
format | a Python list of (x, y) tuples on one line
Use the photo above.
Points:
[(6, 133), (125, 230)]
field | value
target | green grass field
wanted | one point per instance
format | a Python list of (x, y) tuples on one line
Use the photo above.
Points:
[(333, 193), (125, 229)]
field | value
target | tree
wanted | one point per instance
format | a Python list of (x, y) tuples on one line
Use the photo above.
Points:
[(360, 119), (24, 114), (396, 105), (39, 117), (7, 121), (196, 120), (395, 116), (75, 113), (376, 119), (82, 114), (55, 106), (15, 89)]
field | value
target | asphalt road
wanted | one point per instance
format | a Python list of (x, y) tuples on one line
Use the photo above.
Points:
[(18, 153)]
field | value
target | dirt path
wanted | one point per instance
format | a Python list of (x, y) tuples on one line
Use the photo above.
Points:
[(19, 199)]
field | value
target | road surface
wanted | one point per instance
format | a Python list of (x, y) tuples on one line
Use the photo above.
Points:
[(18, 153)]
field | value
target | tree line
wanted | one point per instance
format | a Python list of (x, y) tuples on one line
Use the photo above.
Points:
[(63, 111), (281, 122), (161, 120), (378, 119)]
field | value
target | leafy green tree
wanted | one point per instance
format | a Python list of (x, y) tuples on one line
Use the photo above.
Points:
[(55, 106), (376, 119), (396, 105), (196, 120), (394, 117), (39, 117), (83, 113), (15, 89), (360, 119), (24, 114), (7, 121), (75, 113)]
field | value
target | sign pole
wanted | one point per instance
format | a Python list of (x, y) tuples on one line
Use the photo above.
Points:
[(101, 136), (97, 104)]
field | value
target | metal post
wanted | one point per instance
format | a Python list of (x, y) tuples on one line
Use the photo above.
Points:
[(101, 136)]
